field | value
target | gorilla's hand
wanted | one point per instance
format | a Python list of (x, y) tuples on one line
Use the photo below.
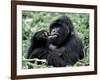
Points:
[(41, 35)]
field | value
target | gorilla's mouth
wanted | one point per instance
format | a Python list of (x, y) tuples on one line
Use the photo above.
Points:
[(53, 36)]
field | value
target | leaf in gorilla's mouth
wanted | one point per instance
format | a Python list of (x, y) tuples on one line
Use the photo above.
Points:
[(53, 36)]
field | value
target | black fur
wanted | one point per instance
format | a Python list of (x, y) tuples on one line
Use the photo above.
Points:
[(64, 50)]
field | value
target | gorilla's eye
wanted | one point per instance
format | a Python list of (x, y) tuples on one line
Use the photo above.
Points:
[(55, 31)]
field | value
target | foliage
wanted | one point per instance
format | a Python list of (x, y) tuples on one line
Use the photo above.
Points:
[(35, 21)]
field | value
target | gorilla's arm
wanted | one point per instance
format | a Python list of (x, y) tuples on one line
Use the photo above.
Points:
[(40, 53), (37, 41), (55, 60)]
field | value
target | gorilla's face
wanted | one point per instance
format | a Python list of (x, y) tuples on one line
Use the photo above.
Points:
[(61, 30), (59, 33)]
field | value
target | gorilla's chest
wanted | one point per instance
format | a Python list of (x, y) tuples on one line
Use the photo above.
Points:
[(52, 47)]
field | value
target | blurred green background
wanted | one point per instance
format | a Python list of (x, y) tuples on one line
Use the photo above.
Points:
[(36, 21)]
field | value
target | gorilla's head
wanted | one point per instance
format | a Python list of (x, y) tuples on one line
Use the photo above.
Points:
[(62, 28)]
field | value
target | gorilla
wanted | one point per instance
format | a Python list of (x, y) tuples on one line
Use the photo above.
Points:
[(61, 46)]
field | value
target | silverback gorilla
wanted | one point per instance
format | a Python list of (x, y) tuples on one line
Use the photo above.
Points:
[(60, 47)]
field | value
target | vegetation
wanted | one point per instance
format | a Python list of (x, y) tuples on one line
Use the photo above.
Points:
[(35, 21)]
